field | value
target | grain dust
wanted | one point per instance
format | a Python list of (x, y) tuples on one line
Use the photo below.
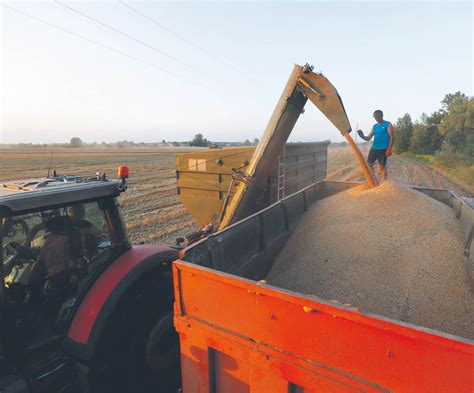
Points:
[(390, 250)]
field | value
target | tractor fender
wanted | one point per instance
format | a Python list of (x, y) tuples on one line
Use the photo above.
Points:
[(106, 293)]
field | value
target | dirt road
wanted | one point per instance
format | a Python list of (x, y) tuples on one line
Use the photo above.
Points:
[(343, 166)]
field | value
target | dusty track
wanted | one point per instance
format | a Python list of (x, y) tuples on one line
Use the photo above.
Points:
[(343, 166)]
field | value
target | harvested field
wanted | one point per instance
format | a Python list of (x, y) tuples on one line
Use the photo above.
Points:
[(390, 250), (151, 209)]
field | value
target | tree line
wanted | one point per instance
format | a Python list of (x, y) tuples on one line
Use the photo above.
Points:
[(200, 141), (448, 132)]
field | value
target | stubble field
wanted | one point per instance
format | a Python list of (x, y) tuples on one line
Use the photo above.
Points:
[(150, 206)]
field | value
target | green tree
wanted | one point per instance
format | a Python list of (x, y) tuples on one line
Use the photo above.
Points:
[(426, 139), (435, 118), (76, 142), (403, 132), (435, 139), (450, 99), (419, 138), (457, 126), (199, 141)]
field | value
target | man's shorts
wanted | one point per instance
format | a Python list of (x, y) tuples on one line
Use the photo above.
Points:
[(379, 155)]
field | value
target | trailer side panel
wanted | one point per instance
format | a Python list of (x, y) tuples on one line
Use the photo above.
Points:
[(239, 335)]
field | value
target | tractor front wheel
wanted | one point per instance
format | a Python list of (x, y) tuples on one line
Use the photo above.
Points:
[(139, 352)]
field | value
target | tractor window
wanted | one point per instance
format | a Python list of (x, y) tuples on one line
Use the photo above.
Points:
[(49, 254), (60, 244)]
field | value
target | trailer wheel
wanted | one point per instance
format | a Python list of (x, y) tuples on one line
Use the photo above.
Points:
[(162, 353), (127, 359), (157, 358)]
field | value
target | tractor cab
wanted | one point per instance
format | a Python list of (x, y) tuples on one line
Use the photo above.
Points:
[(57, 235)]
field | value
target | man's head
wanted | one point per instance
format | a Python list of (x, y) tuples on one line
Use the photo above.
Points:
[(378, 116), (77, 213)]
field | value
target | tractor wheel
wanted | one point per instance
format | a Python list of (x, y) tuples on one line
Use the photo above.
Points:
[(140, 349)]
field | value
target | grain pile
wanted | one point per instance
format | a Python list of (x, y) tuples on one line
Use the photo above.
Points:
[(390, 250)]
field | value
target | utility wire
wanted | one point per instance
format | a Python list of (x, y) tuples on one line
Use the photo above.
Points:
[(92, 41), (126, 35), (173, 33)]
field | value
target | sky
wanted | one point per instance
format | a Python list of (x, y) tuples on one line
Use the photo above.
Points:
[(219, 68)]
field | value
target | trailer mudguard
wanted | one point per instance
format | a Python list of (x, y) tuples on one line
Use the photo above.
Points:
[(105, 294)]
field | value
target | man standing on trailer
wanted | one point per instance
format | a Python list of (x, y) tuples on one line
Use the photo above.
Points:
[(381, 149)]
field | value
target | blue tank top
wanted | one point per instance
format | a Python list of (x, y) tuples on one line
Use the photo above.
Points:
[(381, 137)]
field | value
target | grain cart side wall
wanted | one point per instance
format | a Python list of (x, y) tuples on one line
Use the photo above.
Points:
[(249, 247), (304, 164), (203, 177), (248, 336), (244, 336), (464, 210)]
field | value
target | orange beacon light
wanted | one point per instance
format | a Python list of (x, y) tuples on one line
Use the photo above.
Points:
[(122, 172)]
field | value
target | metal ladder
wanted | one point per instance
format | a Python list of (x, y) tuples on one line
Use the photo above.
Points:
[(281, 175)]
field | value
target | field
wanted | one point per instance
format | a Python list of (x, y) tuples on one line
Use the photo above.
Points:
[(151, 209)]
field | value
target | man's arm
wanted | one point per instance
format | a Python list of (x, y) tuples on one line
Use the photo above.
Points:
[(368, 137), (388, 152)]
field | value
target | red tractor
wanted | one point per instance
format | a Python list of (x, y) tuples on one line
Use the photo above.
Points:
[(82, 310)]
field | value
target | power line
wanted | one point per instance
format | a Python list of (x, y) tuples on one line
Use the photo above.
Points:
[(221, 59), (175, 34), (126, 35), (90, 41)]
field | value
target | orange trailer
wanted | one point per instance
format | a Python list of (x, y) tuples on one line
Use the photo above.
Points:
[(238, 334)]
